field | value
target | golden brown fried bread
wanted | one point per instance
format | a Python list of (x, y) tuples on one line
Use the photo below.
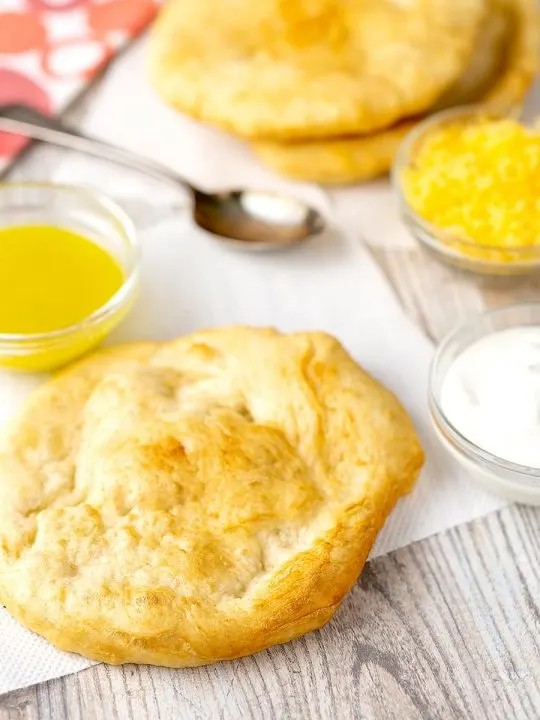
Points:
[(303, 69), (197, 500), (500, 73)]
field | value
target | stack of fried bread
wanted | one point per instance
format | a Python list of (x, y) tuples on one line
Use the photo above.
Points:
[(325, 90)]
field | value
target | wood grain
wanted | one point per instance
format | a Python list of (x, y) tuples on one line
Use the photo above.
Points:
[(447, 628)]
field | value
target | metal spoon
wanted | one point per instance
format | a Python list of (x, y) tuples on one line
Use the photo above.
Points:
[(251, 220)]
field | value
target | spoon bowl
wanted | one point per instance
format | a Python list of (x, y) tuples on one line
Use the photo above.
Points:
[(262, 220), (247, 220)]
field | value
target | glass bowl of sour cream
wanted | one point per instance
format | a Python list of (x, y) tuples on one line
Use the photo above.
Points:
[(485, 399)]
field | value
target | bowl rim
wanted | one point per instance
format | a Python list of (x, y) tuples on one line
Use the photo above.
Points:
[(470, 449), (11, 341), (439, 238)]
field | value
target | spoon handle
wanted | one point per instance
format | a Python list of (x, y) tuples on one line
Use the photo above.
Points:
[(24, 120)]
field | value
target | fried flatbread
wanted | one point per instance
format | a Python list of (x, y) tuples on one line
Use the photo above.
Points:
[(197, 500), (287, 69), (499, 74)]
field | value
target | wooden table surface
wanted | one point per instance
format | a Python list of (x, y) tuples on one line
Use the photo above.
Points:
[(447, 628)]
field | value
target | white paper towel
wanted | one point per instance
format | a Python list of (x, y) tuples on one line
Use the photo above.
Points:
[(189, 282), (330, 284)]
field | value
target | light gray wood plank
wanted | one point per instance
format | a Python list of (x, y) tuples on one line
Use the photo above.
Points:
[(447, 628), (436, 296)]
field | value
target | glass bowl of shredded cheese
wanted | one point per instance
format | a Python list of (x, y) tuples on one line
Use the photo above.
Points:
[(468, 182)]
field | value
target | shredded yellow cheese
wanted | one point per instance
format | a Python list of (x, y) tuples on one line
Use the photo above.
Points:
[(479, 182)]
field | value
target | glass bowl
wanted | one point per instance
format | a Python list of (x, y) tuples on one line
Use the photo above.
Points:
[(452, 249), (510, 480), (94, 217)]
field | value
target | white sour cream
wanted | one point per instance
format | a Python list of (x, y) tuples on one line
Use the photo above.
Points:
[(491, 394)]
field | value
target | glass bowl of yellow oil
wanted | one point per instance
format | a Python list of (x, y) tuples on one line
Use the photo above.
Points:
[(69, 268)]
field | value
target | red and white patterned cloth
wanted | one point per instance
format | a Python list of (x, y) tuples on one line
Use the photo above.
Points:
[(50, 50)]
